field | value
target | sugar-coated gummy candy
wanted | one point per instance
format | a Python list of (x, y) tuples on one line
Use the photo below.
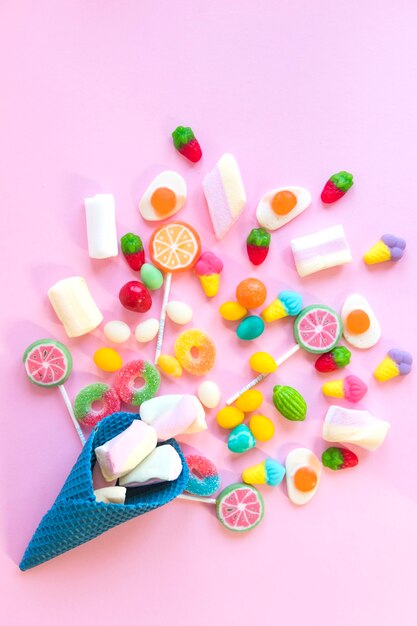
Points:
[(108, 359), (116, 331), (261, 427), (204, 477), (241, 439), (126, 382), (134, 296), (263, 363), (290, 403), (209, 394), (179, 312), (94, 402), (186, 143), (147, 330), (232, 311), (230, 417), (132, 250), (151, 276), (251, 293), (250, 328), (250, 400), (195, 340), (268, 472), (240, 507), (169, 365), (339, 458)]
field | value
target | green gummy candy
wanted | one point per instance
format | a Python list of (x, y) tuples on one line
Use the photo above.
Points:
[(259, 237), (342, 180), (131, 243), (151, 276), (181, 136), (332, 458), (341, 356)]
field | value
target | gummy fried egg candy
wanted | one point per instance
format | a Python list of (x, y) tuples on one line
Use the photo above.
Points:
[(164, 197), (360, 327), (279, 206), (303, 471)]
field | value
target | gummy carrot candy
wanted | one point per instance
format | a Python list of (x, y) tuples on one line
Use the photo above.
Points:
[(339, 458), (388, 248), (186, 143), (133, 251), (257, 245), (335, 359), (336, 187)]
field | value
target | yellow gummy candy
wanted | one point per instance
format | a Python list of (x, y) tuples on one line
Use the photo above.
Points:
[(169, 365), (108, 359), (229, 417), (261, 427), (263, 363), (249, 400), (232, 311)]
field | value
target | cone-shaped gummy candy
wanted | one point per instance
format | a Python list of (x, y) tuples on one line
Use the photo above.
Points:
[(350, 388), (388, 248), (286, 303), (268, 472), (396, 363), (210, 284)]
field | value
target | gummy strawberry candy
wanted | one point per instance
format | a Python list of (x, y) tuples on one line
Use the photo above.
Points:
[(257, 245), (339, 458), (336, 187), (186, 143), (133, 251), (335, 359)]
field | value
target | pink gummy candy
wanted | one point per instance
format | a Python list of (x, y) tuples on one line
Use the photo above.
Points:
[(208, 264)]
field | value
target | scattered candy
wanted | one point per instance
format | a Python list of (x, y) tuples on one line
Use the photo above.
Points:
[(360, 327), (110, 495), (204, 478), (240, 507), (336, 187), (286, 303), (257, 245), (251, 293), (303, 471), (163, 463), (250, 328), (100, 213), (179, 312), (133, 252), (232, 311), (339, 458), (230, 417), (263, 363), (279, 206), (175, 420), (186, 143), (225, 194), (208, 269), (250, 400), (117, 332), (95, 402), (151, 276), (396, 363), (337, 358), (147, 330), (125, 383), (241, 439), (262, 428), (317, 329), (352, 426), (134, 296), (74, 306), (155, 409), (107, 359), (48, 363), (174, 247), (268, 472), (118, 456), (321, 250), (388, 248), (209, 394), (350, 388), (290, 403), (169, 365), (164, 197), (191, 341)]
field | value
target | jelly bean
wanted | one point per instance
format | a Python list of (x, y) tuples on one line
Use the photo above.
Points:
[(209, 394), (151, 276), (261, 427), (147, 330), (250, 328), (229, 417), (179, 312), (241, 439), (263, 363), (232, 311), (250, 400), (117, 332), (251, 293), (108, 359), (169, 365)]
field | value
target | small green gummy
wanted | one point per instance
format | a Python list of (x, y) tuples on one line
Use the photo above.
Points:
[(131, 243), (341, 356), (181, 136), (332, 458), (342, 180), (259, 237)]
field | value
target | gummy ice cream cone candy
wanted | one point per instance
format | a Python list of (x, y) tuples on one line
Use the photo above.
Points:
[(208, 269), (269, 472), (286, 303), (350, 388), (388, 248), (396, 363)]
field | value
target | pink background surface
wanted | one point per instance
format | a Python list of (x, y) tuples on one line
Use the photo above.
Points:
[(90, 93)]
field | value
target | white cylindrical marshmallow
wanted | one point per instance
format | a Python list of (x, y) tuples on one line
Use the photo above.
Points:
[(74, 306), (100, 213)]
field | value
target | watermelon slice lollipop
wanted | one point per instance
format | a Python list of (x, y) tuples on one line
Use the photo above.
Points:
[(48, 363)]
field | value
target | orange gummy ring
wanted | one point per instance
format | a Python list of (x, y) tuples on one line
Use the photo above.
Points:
[(163, 200), (358, 321), (174, 247), (283, 202), (305, 479), (195, 341)]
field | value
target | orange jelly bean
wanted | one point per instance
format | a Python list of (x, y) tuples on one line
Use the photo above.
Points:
[(305, 479), (283, 202), (163, 200), (251, 293), (358, 321)]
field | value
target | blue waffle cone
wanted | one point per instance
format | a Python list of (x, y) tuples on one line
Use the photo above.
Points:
[(76, 517)]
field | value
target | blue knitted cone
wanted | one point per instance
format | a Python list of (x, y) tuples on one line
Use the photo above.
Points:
[(76, 517)]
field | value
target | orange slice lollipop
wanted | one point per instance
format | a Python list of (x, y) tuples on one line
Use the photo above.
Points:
[(174, 247)]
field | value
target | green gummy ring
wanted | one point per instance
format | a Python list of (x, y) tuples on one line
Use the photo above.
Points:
[(317, 329), (124, 383), (240, 507), (97, 392)]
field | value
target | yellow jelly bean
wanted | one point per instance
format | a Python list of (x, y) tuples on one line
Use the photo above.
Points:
[(263, 363), (169, 365), (232, 311), (108, 359), (261, 427), (229, 417), (249, 400)]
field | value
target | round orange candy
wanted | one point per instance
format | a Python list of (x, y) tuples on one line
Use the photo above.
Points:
[(305, 479), (283, 202), (358, 322), (251, 293), (163, 200)]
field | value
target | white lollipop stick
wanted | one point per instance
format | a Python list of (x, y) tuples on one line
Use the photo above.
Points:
[(167, 289), (259, 378), (71, 412), (183, 496)]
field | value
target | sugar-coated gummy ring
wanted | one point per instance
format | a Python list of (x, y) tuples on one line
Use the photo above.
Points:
[(317, 329), (125, 382), (191, 340), (204, 478), (84, 409), (240, 507)]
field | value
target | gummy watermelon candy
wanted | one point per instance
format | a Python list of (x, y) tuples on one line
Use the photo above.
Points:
[(240, 507), (47, 362), (317, 329)]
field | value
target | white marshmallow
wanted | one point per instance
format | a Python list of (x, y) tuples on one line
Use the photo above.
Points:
[(352, 426), (321, 250), (154, 408), (111, 495), (100, 213), (74, 306), (163, 463)]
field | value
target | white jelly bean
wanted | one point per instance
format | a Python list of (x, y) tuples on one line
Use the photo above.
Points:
[(117, 332), (209, 394), (147, 330), (179, 312)]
